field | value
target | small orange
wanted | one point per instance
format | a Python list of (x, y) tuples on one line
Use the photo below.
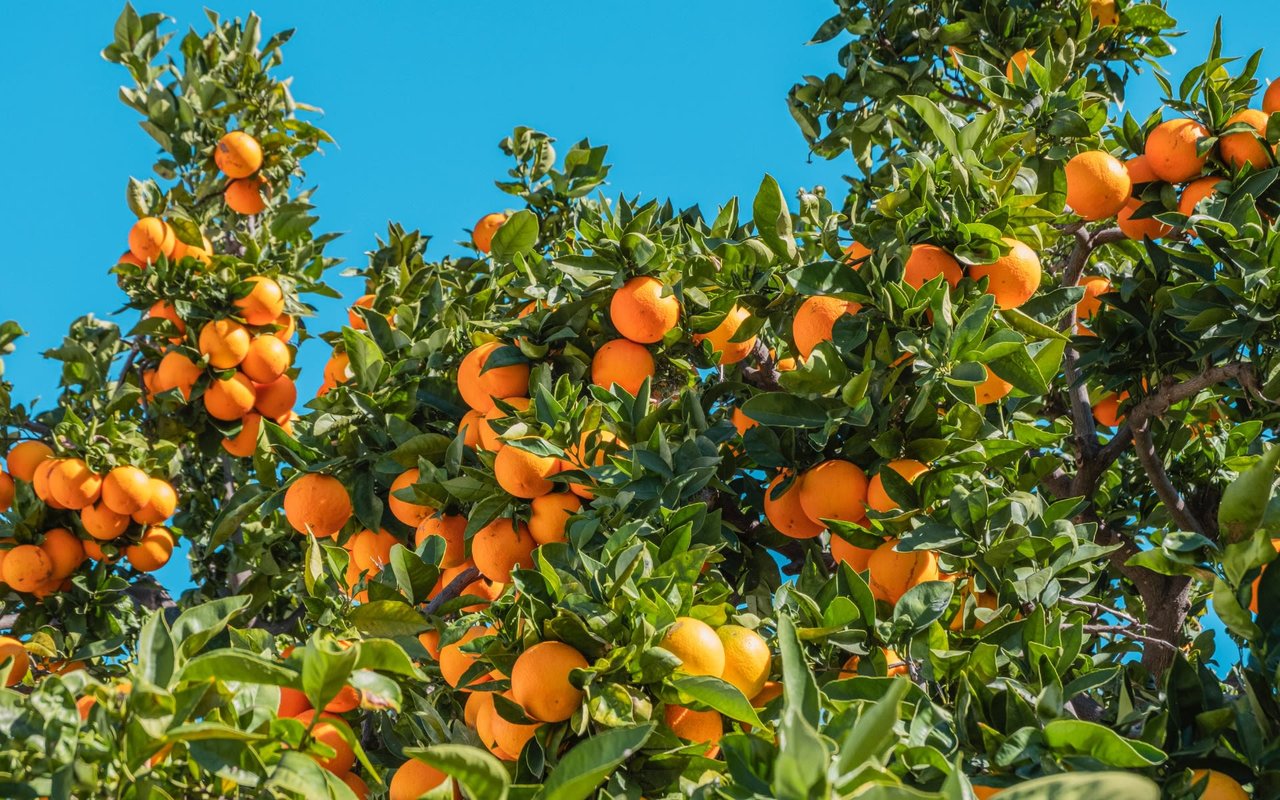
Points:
[(11, 648), (1098, 185), (7, 491), (317, 504), (1218, 785), (238, 155), (454, 663), (276, 398), (40, 482), (357, 785), (1107, 410), (150, 238), (451, 528), (471, 426), (102, 523), (1271, 98), (329, 731), (73, 484), (176, 371), (523, 474), (856, 253), (1171, 150), (413, 779), (485, 228), (695, 643), (371, 551), (721, 337), (1197, 191), (24, 457), (815, 321), (785, 512), (354, 319), (268, 358), (695, 726), (229, 399), (225, 342), (1139, 229), (927, 262), (409, 513), (834, 489), (877, 498), (264, 303), (511, 737), (163, 309), (502, 546), (894, 665), (1012, 278), (549, 515), (244, 196), (540, 681), (1018, 63), (152, 551), (891, 573), (490, 438), (741, 422), (624, 363), (245, 443), (26, 568), (479, 386), (1238, 149), (643, 311), (845, 553), (160, 505)]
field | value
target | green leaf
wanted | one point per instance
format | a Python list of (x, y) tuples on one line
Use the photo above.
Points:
[(784, 410), (197, 625), (1023, 324), (1085, 786), (325, 669), (237, 665), (773, 219), (591, 762), (519, 234), (233, 512), (942, 124), (366, 357), (923, 604), (1078, 737), (387, 618), (720, 695), (157, 656), (800, 689), (872, 734)]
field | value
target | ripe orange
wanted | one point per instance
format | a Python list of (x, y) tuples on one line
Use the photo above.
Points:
[(785, 512), (485, 228), (64, 550), (338, 368), (430, 641), (225, 342), (329, 731), (1171, 150), (622, 362), (12, 648), (697, 646), (40, 482), (176, 371), (928, 261), (409, 513), (815, 320), (414, 779), (268, 358), (1104, 15), (238, 155), (150, 237), (1138, 229), (511, 737), (1271, 98), (1012, 278), (264, 303), (449, 527), (73, 484), (877, 498), (500, 547), (489, 437), (834, 489), (354, 319), (292, 702), (470, 426), (845, 553), (1218, 785), (721, 337), (892, 573), (695, 726), (244, 196), (183, 250), (992, 389), (1018, 62), (856, 252), (771, 691), (285, 326), (163, 309), (540, 681), (454, 663), (371, 551), (357, 785), (152, 551), (1238, 149), (524, 474), (478, 387), (1140, 172), (317, 504), (7, 491), (747, 659), (160, 505), (275, 399), (1107, 410), (985, 600), (26, 568), (1196, 191), (641, 312), (1094, 287), (549, 515), (1098, 185), (894, 665), (741, 422), (229, 399), (93, 550), (24, 457)]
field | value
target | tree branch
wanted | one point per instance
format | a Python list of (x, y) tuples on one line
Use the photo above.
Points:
[(764, 375), (1153, 465), (453, 590)]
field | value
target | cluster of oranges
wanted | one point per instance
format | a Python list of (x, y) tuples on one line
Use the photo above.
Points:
[(124, 503), (239, 156)]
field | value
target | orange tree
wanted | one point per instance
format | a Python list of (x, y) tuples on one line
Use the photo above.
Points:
[(924, 493)]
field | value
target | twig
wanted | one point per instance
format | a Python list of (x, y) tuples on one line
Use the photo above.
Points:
[(1121, 630), (1099, 608), (960, 98), (453, 590), (765, 374), (1154, 467)]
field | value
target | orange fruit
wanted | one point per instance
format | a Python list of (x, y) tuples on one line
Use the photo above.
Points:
[(7, 491), (1196, 191), (413, 779), (276, 398), (152, 551), (229, 398), (183, 250), (163, 309), (594, 448), (479, 387), (894, 665), (292, 702), (697, 646), (285, 326), (1140, 172), (160, 505), (877, 498), (1104, 15), (268, 358), (151, 237), (1138, 229), (1171, 150), (225, 342), (641, 312), (245, 443), (410, 514), (470, 426), (845, 553), (747, 659), (317, 504), (785, 512), (1018, 62), (485, 228), (927, 262), (454, 663), (985, 600), (1107, 410), (24, 457), (1012, 278), (329, 731), (477, 702), (511, 737), (549, 515), (1271, 98), (93, 550), (176, 371), (721, 337), (40, 482), (695, 726), (64, 550), (856, 252), (127, 257), (1218, 785), (430, 641), (500, 547), (12, 648), (370, 551), (238, 155), (73, 484), (622, 362), (26, 568), (816, 319), (834, 489), (771, 691), (524, 474), (347, 699), (1094, 287), (264, 303), (540, 681), (357, 785), (489, 437), (338, 368), (741, 422), (892, 573), (354, 319), (1238, 149), (1098, 185), (992, 389), (449, 527), (244, 196)]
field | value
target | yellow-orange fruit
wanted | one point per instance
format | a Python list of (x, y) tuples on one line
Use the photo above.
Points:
[(285, 326), (992, 389), (1018, 62), (354, 318), (1138, 229), (524, 474), (477, 702), (65, 552), (163, 309), (511, 737), (1218, 785), (93, 550), (338, 368), (1140, 172), (741, 422), (409, 513), (329, 731), (1098, 185), (357, 785), (485, 228), (230, 398), (26, 568), (244, 196), (927, 262), (276, 398), (747, 659), (786, 514), (225, 342), (502, 546), (622, 362), (1107, 410), (550, 513), (1238, 149), (430, 641), (470, 426), (317, 504), (855, 253), (816, 319), (454, 663), (292, 702), (894, 665), (264, 303), (1094, 287), (721, 337), (1198, 190), (150, 237), (1271, 98), (771, 691), (451, 528), (160, 505), (12, 648), (845, 553), (245, 443), (73, 484), (490, 439), (695, 643), (1104, 15), (695, 726), (7, 491), (985, 600), (126, 489), (24, 457), (176, 371), (152, 551), (1012, 278), (834, 489), (641, 312), (877, 498), (1171, 150), (413, 779), (370, 551), (40, 482), (892, 573), (479, 387), (238, 155), (267, 359), (540, 681)]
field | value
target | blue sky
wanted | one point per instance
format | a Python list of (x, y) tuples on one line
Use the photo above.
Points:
[(689, 96)]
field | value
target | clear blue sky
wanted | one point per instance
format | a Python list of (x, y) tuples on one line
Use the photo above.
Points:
[(689, 96)]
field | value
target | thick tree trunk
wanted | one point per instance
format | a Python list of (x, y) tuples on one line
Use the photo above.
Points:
[(1168, 600)]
